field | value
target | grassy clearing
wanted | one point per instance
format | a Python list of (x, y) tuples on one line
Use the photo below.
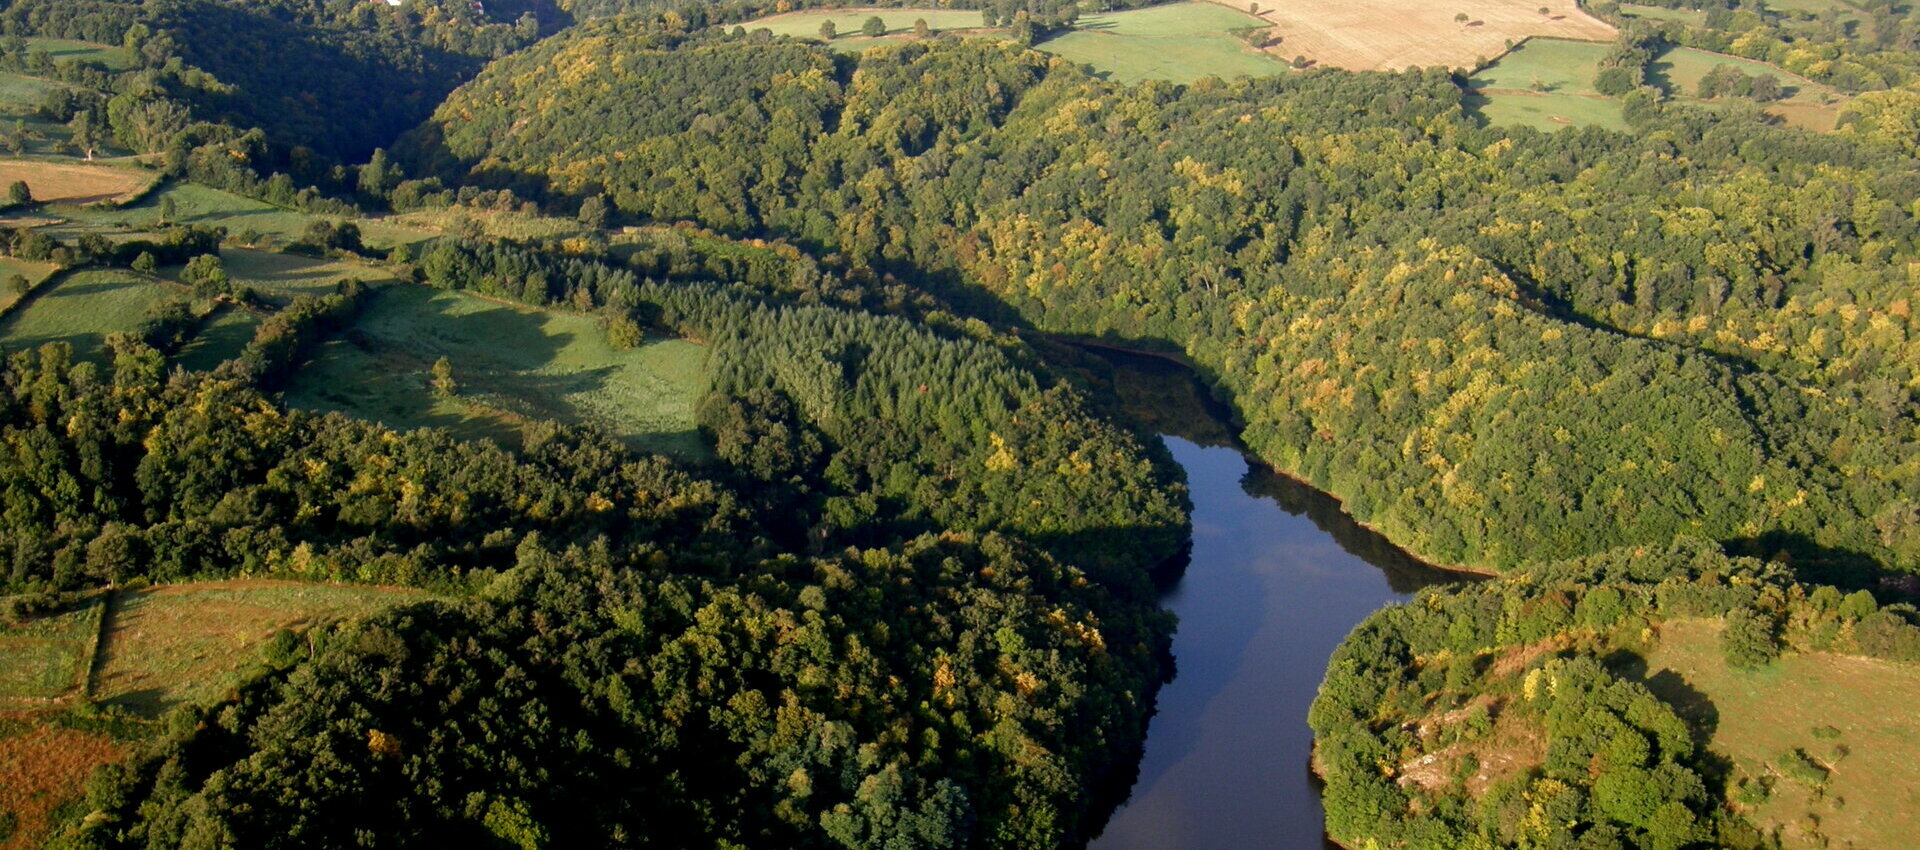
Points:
[(1546, 84), (1808, 104), (288, 275), (220, 338), (47, 657), (1867, 738), (82, 310), (848, 21), (183, 643), (1363, 35), (1817, 8), (514, 225), (196, 204), (60, 49), (75, 182), (1690, 17), (1553, 65), (45, 765), (512, 363), (33, 272), (1181, 42), (26, 93)]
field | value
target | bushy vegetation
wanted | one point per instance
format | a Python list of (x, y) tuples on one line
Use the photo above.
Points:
[(1545, 655)]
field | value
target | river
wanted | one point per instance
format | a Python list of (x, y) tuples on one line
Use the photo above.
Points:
[(1278, 576)]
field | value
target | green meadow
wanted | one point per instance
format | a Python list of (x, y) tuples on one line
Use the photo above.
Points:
[(511, 364)]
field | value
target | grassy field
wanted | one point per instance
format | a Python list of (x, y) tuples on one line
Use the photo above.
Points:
[(183, 643), (81, 310), (1546, 84), (1816, 8), (514, 225), (1691, 17), (1808, 104), (65, 48), (45, 765), (1365, 35), (25, 93), (48, 657), (196, 204), (75, 181), (287, 275), (1181, 42), (512, 363), (1868, 735), (220, 338), (33, 272)]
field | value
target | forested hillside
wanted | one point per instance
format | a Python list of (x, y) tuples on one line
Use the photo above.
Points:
[(1494, 346), (900, 588), (1531, 712)]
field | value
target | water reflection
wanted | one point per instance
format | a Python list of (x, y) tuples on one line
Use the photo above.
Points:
[(1278, 577)]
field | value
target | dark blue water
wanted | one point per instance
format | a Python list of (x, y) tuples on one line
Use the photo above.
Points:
[(1272, 588)]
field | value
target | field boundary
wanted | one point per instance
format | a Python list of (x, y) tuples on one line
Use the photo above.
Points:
[(94, 656)]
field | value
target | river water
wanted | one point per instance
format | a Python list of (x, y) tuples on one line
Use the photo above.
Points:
[(1277, 578)]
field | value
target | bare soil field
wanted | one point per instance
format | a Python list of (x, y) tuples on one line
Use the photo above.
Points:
[(74, 183), (1387, 35)]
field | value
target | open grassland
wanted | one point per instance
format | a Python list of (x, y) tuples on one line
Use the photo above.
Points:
[(196, 204), (75, 182), (514, 224), (48, 657), (512, 363), (82, 310), (1365, 35), (1855, 719), (1546, 84), (1180, 42), (1817, 8), (288, 275), (1808, 104), (848, 22), (33, 272), (1690, 17), (220, 338), (25, 93), (183, 643), (61, 49), (44, 767)]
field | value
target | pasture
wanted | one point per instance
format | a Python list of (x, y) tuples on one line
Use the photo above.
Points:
[(1181, 42), (24, 93), (1546, 84), (74, 181), (196, 204), (33, 272), (512, 363), (64, 49), (283, 276), (184, 643), (1852, 716), (1385, 35), (48, 657), (1808, 104), (1690, 17), (220, 338), (81, 310)]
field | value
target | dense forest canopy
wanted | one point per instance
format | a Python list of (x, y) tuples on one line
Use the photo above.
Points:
[(1493, 346), (909, 600)]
